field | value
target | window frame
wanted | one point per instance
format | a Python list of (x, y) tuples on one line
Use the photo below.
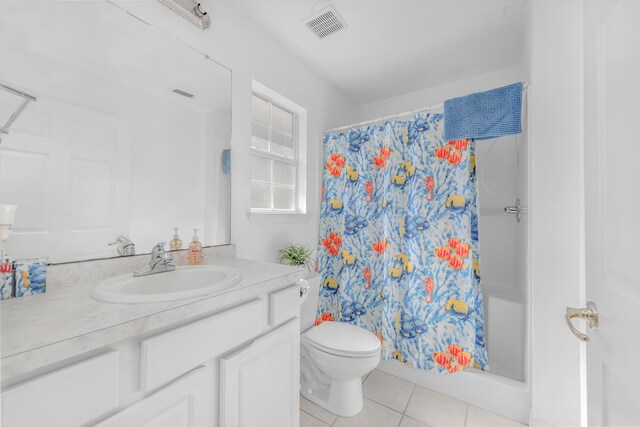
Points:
[(299, 150)]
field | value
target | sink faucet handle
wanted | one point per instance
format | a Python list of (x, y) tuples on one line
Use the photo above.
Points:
[(160, 262), (125, 246), (158, 251)]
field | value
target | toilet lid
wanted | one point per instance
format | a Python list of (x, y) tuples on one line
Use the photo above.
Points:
[(343, 338)]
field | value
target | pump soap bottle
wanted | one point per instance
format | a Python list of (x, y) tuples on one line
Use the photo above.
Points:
[(176, 243), (194, 254)]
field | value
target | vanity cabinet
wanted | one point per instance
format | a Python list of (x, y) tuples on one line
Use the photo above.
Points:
[(259, 383), (235, 367)]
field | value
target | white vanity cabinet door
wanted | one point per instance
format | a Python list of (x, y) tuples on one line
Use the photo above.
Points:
[(259, 383), (69, 396), (183, 403)]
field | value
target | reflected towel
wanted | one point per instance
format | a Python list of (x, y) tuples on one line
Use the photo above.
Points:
[(484, 115)]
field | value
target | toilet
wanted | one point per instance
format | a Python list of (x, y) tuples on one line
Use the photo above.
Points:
[(334, 357)]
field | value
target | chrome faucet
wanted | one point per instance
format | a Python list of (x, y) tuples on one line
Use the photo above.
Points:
[(125, 247), (160, 262)]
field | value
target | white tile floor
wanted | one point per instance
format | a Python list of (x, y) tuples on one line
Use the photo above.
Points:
[(392, 402)]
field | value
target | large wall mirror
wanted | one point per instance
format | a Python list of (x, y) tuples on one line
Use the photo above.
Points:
[(126, 138)]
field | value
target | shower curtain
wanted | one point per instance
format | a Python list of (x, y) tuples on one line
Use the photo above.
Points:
[(398, 250)]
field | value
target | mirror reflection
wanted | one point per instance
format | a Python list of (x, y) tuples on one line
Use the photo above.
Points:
[(123, 140)]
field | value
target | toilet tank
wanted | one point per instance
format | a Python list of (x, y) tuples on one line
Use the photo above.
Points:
[(310, 303)]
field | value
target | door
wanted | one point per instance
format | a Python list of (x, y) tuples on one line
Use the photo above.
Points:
[(259, 384), (612, 193), (183, 403), (67, 169)]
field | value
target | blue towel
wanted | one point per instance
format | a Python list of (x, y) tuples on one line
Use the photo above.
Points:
[(484, 115)]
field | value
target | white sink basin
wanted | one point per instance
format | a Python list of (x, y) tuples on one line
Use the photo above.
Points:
[(184, 282)]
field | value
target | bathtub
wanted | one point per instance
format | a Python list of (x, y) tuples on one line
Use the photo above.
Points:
[(503, 389), (505, 315)]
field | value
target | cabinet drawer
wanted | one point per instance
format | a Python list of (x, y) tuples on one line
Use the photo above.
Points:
[(169, 355), (69, 396), (284, 305)]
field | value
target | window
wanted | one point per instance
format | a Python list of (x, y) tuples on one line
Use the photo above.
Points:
[(275, 154)]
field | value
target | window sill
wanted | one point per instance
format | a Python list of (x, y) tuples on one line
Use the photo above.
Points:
[(275, 217)]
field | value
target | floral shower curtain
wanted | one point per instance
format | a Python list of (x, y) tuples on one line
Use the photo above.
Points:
[(398, 249)]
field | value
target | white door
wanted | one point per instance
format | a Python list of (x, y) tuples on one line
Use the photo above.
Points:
[(612, 156), (259, 384), (183, 403), (67, 169)]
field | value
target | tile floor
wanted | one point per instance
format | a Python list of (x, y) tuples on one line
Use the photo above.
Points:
[(392, 402)]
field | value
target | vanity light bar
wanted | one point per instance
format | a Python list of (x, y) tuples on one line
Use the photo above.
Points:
[(191, 10)]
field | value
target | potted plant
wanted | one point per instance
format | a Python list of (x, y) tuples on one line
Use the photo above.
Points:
[(296, 255)]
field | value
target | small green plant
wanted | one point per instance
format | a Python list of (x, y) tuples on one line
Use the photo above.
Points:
[(295, 255)]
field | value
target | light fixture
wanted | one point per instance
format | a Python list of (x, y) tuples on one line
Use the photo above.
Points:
[(191, 10)]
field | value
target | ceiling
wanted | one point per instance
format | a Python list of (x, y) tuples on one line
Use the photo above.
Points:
[(391, 47)]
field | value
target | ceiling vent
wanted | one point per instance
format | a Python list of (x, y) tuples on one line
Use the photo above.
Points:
[(183, 93), (325, 22)]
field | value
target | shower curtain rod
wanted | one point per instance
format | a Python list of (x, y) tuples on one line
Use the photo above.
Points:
[(525, 85)]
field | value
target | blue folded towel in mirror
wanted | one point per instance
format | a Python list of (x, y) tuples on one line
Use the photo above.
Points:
[(484, 115)]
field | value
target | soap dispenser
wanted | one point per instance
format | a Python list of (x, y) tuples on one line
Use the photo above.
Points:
[(194, 254), (176, 243)]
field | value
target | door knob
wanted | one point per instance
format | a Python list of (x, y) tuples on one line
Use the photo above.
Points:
[(590, 314)]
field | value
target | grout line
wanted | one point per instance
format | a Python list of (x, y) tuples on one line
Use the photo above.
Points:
[(413, 385), (406, 405), (313, 416), (466, 414), (418, 421), (382, 404)]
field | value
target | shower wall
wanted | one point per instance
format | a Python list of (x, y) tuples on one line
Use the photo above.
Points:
[(501, 168)]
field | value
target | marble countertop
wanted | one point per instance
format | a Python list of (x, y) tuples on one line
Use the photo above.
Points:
[(42, 329)]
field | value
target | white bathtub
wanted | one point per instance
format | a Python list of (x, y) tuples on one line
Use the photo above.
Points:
[(503, 390), (505, 326)]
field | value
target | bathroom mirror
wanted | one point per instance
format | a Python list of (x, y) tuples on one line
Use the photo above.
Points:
[(126, 137)]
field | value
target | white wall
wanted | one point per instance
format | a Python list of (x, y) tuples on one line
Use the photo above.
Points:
[(251, 53), (556, 123), (438, 94)]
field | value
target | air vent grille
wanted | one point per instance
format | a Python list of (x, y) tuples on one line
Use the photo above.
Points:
[(325, 22), (183, 93)]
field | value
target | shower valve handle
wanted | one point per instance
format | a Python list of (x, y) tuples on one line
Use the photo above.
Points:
[(515, 210)]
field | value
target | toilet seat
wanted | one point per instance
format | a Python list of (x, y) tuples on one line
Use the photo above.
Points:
[(343, 339)]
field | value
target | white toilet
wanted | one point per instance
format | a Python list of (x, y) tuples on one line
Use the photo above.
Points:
[(334, 358)]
